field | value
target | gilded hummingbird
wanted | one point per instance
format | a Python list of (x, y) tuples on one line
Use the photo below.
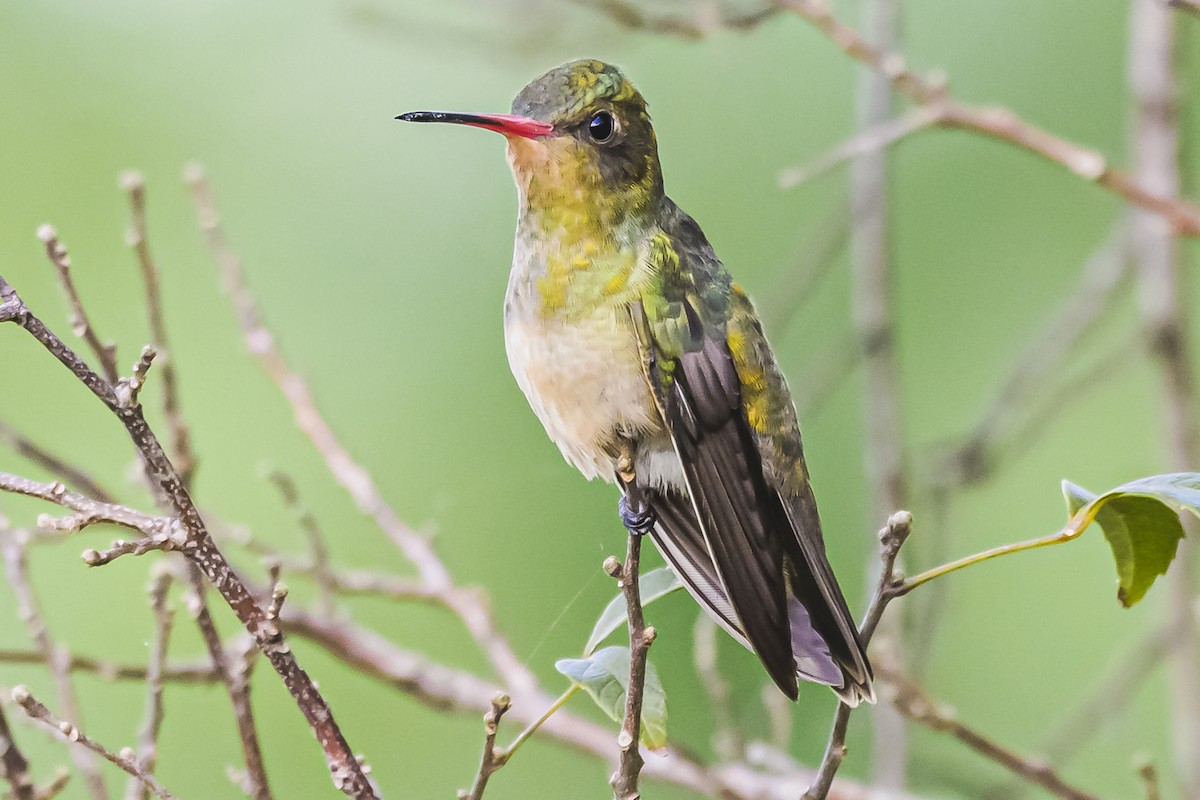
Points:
[(648, 368)]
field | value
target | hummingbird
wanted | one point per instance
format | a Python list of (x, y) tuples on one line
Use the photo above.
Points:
[(648, 367)]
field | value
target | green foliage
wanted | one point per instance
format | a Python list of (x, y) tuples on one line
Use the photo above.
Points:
[(605, 676), (1141, 523), (652, 585)]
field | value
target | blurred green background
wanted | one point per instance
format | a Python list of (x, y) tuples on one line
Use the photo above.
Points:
[(379, 253)]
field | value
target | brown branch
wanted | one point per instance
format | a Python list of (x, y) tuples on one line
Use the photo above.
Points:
[(14, 769), (200, 549), (126, 761), (913, 703), (12, 543), (60, 468), (629, 762), (998, 123), (891, 538), (81, 324), (489, 762), (712, 18)]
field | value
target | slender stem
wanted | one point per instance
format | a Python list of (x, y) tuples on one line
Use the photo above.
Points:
[(489, 761), (1065, 535), (630, 763)]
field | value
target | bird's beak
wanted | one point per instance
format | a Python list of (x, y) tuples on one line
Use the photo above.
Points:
[(507, 124)]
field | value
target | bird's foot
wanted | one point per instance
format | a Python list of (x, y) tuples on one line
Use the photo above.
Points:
[(638, 517)]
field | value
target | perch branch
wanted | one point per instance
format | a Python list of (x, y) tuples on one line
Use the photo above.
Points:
[(891, 538), (630, 763), (489, 762)]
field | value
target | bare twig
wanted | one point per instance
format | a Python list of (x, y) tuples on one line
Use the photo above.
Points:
[(917, 706), (998, 123), (16, 571), (488, 762), (147, 751), (81, 324), (891, 538), (632, 17), (630, 763), (202, 551), (1161, 292), (14, 769), (126, 761), (181, 446), (60, 468)]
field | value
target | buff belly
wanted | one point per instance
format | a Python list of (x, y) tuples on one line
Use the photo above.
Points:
[(583, 378)]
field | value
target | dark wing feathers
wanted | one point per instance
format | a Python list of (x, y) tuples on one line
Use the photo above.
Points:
[(732, 501), (752, 554)]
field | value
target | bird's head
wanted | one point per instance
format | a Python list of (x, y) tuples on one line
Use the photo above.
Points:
[(579, 140)]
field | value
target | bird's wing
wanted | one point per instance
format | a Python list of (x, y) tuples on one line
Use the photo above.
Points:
[(682, 334), (771, 415), (751, 550)]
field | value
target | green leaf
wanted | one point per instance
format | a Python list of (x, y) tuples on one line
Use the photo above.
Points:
[(652, 585), (1141, 522), (605, 677)]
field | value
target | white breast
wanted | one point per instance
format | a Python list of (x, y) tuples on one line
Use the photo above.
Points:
[(583, 379)]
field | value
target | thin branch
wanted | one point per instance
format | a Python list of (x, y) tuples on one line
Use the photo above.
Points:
[(81, 324), (60, 468), (14, 769), (891, 538), (126, 761), (1149, 776), (181, 445), (712, 18), (999, 123), (201, 550), (913, 703), (629, 762), (17, 573), (147, 751), (488, 762)]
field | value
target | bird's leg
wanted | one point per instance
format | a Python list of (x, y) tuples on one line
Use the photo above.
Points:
[(637, 512)]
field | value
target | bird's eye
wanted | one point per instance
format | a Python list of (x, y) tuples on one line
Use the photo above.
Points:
[(602, 127)]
